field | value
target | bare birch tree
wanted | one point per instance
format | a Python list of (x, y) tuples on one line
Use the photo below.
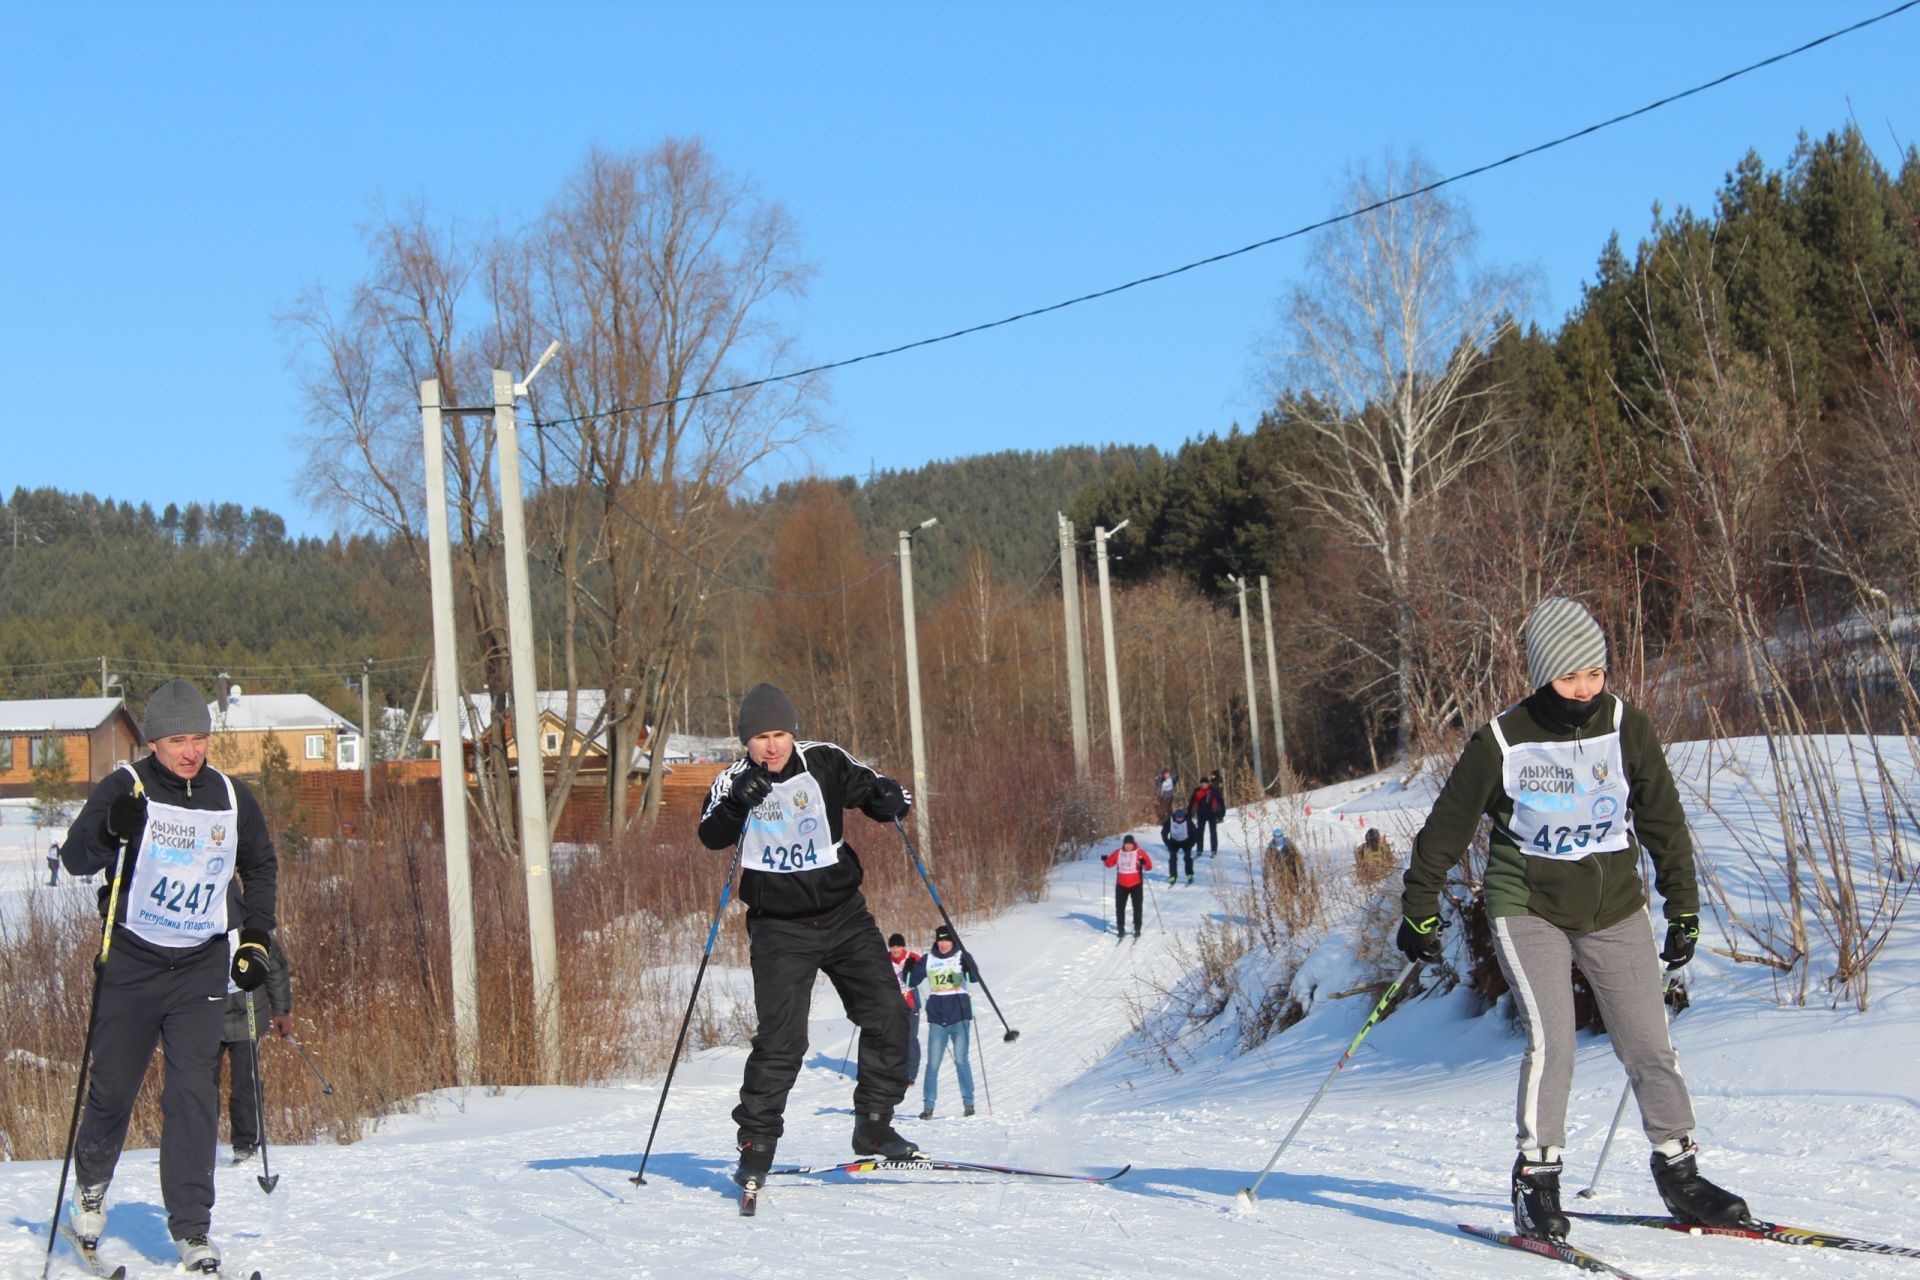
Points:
[(1373, 369)]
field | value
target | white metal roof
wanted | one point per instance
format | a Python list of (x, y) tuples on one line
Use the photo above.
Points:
[(254, 711), (479, 707), (67, 715)]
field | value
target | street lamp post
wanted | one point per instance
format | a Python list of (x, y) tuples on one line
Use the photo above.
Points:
[(1253, 696), (1114, 735), (915, 729)]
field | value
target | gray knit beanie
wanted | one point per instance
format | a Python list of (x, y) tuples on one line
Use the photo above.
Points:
[(175, 707), (1562, 637), (764, 709)]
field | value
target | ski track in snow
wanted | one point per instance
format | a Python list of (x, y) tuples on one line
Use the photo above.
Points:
[(1812, 1114)]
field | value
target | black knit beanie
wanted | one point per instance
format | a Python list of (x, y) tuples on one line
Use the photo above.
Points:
[(765, 709)]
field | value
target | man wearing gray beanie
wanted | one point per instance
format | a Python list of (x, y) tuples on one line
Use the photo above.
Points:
[(1577, 786), (173, 832), (781, 806)]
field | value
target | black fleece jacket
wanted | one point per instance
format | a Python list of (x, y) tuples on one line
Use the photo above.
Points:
[(89, 849), (845, 783)]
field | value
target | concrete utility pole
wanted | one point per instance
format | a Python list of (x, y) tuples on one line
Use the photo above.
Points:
[(366, 734), (1076, 649), (532, 773), (1253, 694), (1119, 741), (1273, 686), (103, 675), (921, 825), (453, 755)]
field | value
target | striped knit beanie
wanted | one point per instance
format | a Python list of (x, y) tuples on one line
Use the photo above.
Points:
[(1562, 637)]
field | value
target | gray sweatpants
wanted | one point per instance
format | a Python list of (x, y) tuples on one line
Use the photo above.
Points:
[(1623, 968)]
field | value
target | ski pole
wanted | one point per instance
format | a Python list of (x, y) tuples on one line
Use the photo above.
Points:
[(86, 1049), (846, 1058), (713, 931), (1249, 1194), (986, 1081), (1626, 1091), (311, 1064), (1667, 997), (927, 880), (1154, 899), (267, 1178)]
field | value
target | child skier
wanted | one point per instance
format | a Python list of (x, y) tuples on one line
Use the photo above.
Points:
[(781, 805), (1576, 785), (909, 973), (946, 969), (1180, 836), (1128, 861)]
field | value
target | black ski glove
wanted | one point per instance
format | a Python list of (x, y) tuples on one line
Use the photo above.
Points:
[(1683, 932), (750, 786), (250, 959), (1419, 940), (886, 800), (124, 814)]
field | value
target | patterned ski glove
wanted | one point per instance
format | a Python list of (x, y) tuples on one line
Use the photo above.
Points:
[(1683, 932), (250, 959), (1419, 940)]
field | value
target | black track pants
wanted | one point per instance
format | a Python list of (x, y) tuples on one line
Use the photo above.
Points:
[(147, 999), (243, 1099), (1122, 893), (849, 949)]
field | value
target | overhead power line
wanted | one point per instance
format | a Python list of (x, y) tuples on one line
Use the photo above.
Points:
[(1270, 241)]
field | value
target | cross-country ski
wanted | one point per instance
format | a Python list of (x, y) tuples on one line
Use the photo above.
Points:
[(1558, 1250), (1753, 1230)]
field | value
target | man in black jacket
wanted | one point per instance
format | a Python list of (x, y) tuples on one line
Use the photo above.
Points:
[(171, 831), (781, 807)]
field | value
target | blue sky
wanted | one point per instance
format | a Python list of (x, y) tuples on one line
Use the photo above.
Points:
[(176, 174)]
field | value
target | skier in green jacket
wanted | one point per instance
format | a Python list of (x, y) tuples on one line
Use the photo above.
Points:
[(1576, 785)]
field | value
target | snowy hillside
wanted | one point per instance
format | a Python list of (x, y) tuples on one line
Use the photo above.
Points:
[(1812, 1114)]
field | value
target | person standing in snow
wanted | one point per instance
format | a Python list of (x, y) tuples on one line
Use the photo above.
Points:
[(1576, 784), (1129, 861), (53, 865), (781, 805), (239, 1039), (1205, 808), (909, 973), (1166, 789), (949, 1017), (1283, 858), (1373, 859), (171, 831), (1180, 834)]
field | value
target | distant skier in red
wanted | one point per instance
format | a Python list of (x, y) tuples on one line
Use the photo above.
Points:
[(1128, 861)]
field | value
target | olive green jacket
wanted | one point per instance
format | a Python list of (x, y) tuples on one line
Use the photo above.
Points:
[(1596, 891)]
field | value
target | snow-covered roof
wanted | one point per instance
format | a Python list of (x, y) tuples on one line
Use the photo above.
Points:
[(67, 715), (478, 708), (255, 711)]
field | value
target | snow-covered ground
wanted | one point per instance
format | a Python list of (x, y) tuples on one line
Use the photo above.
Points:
[(1812, 1114)]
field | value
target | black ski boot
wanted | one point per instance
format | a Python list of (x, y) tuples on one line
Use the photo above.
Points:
[(1690, 1197), (1536, 1199), (873, 1135), (756, 1157)]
